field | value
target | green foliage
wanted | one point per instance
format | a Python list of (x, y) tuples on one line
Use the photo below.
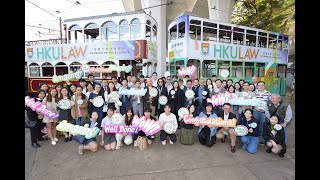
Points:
[(270, 15)]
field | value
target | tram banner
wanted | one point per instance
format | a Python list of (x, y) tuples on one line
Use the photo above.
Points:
[(96, 51)]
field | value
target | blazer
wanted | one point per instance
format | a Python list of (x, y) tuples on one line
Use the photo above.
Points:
[(231, 115), (204, 101), (83, 108), (279, 138), (164, 92), (186, 102), (178, 101), (145, 98)]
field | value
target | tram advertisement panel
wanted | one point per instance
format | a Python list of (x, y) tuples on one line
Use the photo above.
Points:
[(97, 51), (222, 51), (34, 83)]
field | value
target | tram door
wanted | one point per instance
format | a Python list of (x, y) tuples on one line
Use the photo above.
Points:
[(281, 74)]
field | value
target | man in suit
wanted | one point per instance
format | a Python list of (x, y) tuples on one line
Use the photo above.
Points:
[(188, 102), (224, 131), (201, 95), (162, 91), (149, 101)]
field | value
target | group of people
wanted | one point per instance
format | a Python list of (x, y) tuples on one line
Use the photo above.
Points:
[(262, 123)]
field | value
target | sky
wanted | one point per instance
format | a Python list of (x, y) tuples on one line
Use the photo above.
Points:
[(35, 16)]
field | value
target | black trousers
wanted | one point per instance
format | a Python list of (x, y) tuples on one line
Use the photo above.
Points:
[(163, 136), (35, 133), (177, 117), (204, 137), (141, 133)]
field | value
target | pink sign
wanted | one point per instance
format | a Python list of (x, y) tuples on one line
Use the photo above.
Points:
[(121, 129), (39, 107), (148, 126), (219, 99), (187, 71), (210, 122)]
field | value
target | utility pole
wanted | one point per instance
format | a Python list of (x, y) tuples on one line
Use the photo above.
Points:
[(60, 24)]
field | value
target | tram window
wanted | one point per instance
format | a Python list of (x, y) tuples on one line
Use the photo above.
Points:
[(272, 41), (281, 70), (61, 68), (251, 38), (135, 29), (237, 69), (195, 32), (173, 33), (280, 42), (249, 69), (209, 68), (172, 68), (181, 29), (47, 69), (262, 40), (148, 30), (109, 31), (285, 42), (223, 65), (209, 34), (260, 67), (25, 69), (75, 34), (154, 33), (238, 36), (75, 66), (224, 34), (34, 69)]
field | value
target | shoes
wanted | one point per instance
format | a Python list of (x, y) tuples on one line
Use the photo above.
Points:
[(224, 139), (66, 139), (56, 139), (35, 145), (149, 141), (80, 149), (233, 149), (135, 143), (164, 142), (53, 143), (117, 147), (42, 139), (268, 150), (281, 155), (171, 142)]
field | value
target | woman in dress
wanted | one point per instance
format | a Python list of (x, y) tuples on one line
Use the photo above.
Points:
[(51, 102), (97, 92), (186, 136), (107, 95), (176, 100), (108, 140), (128, 117), (65, 114)]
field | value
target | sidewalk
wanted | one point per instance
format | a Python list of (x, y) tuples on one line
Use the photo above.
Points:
[(159, 162)]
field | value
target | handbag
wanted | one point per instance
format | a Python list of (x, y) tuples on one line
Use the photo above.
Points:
[(30, 124), (142, 143)]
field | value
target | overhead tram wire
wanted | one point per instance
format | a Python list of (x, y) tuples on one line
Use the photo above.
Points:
[(42, 9), (78, 3), (42, 28)]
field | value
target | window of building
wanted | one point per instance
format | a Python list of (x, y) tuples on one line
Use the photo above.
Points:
[(148, 30), (260, 67), (34, 69), (238, 35), (209, 67), (47, 69), (154, 33), (91, 32), (61, 68), (182, 27), (135, 29), (209, 31), (93, 64), (124, 30), (173, 32), (106, 65), (223, 65), (75, 66), (75, 34), (109, 31), (272, 41), (195, 29), (280, 42), (262, 40), (249, 69), (251, 38), (237, 69), (224, 34)]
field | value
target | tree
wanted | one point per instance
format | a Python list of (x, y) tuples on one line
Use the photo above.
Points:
[(270, 15)]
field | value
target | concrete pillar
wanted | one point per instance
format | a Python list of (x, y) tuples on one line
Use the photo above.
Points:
[(220, 10)]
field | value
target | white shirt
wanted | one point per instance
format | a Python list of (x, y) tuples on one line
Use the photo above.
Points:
[(163, 118), (154, 83), (225, 116), (84, 90)]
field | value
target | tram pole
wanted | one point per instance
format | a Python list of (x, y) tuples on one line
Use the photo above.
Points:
[(60, 25)]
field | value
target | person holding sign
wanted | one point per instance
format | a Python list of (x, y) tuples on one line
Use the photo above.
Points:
[(222, 132), (245, 94), (151, 96), (189, 94), (51, 102), (64, 107), (125, 99), (251, 140), (163, 97), (128, 117), (136, 100), (96, 102), (201, 95), (176, 100), (168, 122), (273, 133), (80, 108), (206, 135), (218, 89), (108, 140), (186, 136), (108, 96)]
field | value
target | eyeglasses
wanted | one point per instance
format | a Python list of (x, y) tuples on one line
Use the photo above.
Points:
[(168, 79), (160, 82)]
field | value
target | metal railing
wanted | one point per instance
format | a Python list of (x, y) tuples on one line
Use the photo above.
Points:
[(46, 42)]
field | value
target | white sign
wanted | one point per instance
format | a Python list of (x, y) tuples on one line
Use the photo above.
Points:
[(224, 73)]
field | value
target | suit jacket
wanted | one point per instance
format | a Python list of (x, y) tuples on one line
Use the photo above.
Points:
[(145, 98), (164, 92), (231, 115), (178, 101), (186, 102), (204, 101)]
